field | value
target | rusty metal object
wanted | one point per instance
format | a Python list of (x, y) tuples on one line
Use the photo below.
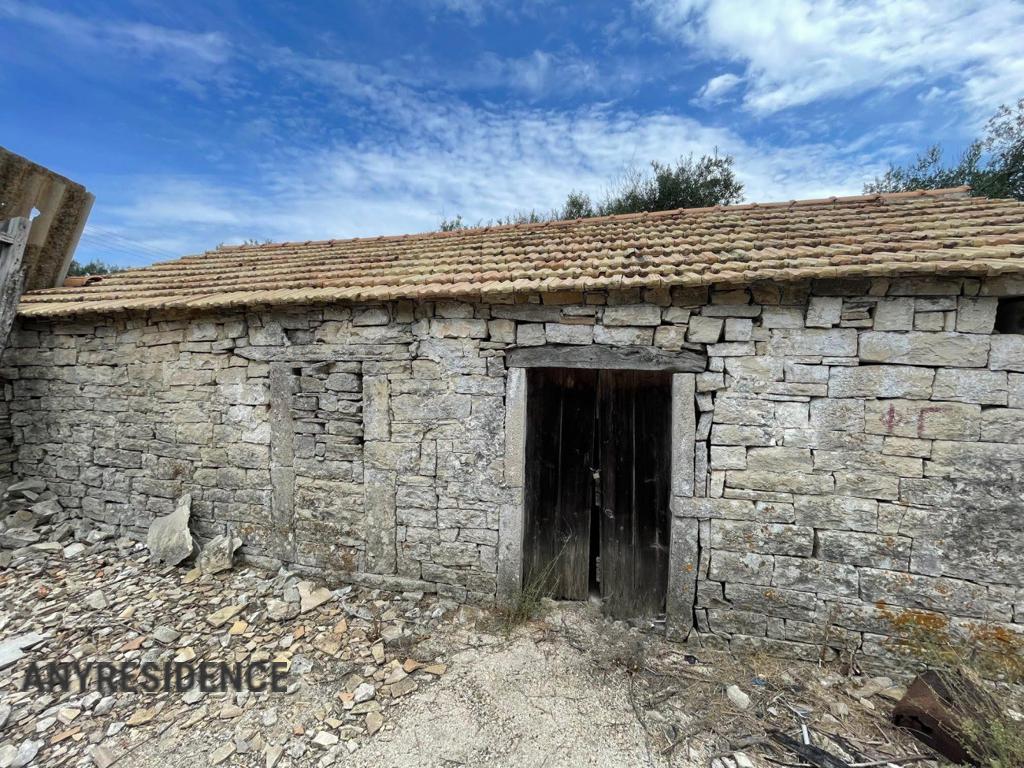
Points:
[(934, 709)]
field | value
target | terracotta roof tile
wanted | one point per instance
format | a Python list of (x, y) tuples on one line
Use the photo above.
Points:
[(862, 236)]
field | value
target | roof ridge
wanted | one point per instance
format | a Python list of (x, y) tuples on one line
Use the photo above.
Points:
[(951, 192)]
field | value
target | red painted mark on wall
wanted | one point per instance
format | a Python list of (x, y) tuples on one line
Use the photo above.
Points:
[(920, 417), (889, 418)]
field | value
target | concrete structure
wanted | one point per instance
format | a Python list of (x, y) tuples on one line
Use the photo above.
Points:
[(849, 451)]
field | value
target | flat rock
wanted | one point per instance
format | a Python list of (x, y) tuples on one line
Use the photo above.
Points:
[(219, 554), (280, 610), (311, 596), (169, 539), (26, 753), (224, 615), (737, 697), (96, 600)]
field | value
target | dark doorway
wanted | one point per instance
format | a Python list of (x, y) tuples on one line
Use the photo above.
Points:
[(597, 486)]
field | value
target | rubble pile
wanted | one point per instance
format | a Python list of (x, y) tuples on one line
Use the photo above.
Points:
[(33, 523), (350, 655)]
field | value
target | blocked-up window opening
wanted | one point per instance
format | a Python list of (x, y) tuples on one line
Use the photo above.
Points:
[(1010, 315)]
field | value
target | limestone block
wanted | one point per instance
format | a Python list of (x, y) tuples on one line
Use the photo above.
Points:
[(632, 314), (453, 328), (710, 381), (845, 415), (1007, 353), (733, 622), (976, 315), (922, 419), (731, 349), (676, 315), (502, 331), (867, 484), (763, 538), (907, 446), (971, 386), (865, 549), (792, 415), (782, 603), (824, 311), (836, 512), (453, 309), (809, 374), (955, 350), (813, 341), (373, 315), (907, 590), (992, 462), (623, 337), (744, 410), (527, 313), (782, 317), (745, 567), (778, 459), (728, 457), (705, 330), (1002, 425), (867, 461), (737, 434), (929, 321), (738, 329), (530, 335), (787, 482), (806, 574), (670, 337), (707, 509), (881, 381), (1015, 390), (559, 333)]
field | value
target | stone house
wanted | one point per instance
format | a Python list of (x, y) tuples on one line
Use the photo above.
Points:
[(775, 425)]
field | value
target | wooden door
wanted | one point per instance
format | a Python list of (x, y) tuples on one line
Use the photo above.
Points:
[(560, 438), (598, 462), (634, 413)]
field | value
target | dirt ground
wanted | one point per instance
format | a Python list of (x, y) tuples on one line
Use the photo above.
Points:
[(380, 679)]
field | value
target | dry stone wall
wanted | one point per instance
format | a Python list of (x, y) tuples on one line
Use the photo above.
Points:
[(858, 443)]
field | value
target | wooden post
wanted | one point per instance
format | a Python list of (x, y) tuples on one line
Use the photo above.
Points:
[(13, 237)]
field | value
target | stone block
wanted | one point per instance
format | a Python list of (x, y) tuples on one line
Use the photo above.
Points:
[(786, 482), (738, 329), (976, 315), (530, 335), (762, 538), (744, 410), (824, 311), (705, 330), (867, 484), (881, 381), (455, 328), (907, 446), (807, 574), (728, 457), (624, 336), (1002, 425), (739, 434), (778, 459), (731, 349), (836, 512), (865, 549), (773, 601), (908, 590), (813, 341), (558, 333), (632, 314), (1015, 390), (364, 316), (922, 419), (955, 350), (867, 461), (670, 337), (782, 317), (971, 386), (846, 415), (1007, 353), (745, 567), (502, 331), (894, 315), (991, 462)]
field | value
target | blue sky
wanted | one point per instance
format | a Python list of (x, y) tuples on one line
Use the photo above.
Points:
[(200, 123)]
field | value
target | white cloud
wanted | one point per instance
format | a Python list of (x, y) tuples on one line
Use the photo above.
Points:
[(797, 51), (716, 89), (185, 57), (457, 159)]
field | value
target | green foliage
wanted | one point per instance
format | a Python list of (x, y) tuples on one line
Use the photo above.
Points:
[(993, 165), (689, 183), (94, 267)]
